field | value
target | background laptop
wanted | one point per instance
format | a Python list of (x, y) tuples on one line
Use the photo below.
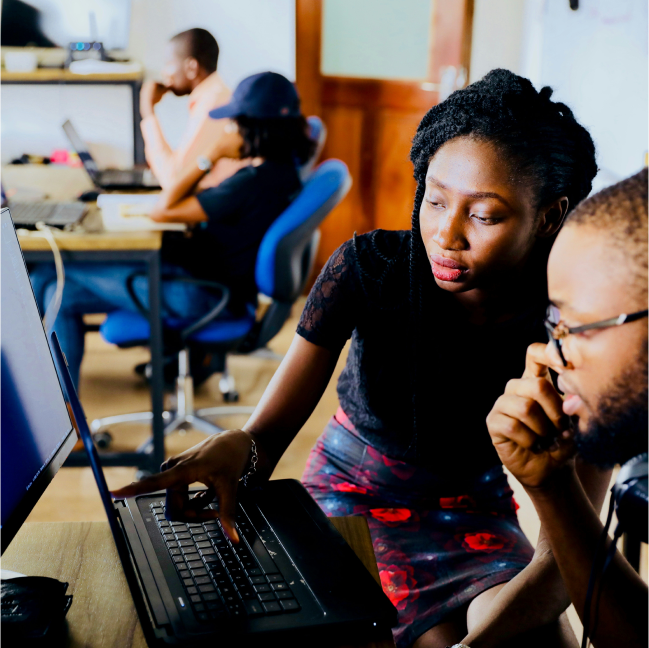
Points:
[(291, 575), (108, 178), (54, 214)]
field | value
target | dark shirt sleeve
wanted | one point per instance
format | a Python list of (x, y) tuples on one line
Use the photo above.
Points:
[(330, 314), (225, 201)]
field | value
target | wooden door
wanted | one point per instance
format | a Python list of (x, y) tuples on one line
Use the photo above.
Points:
[(371, 121)]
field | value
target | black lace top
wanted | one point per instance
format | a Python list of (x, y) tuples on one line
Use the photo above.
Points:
[(363, 293)]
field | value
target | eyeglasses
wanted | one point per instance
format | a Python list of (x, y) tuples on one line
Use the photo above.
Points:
[(558, 330)]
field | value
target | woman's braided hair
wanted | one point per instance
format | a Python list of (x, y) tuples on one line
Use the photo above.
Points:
[(541, 139)]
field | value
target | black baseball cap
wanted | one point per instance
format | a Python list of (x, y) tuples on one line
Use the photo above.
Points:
[(261, 96)]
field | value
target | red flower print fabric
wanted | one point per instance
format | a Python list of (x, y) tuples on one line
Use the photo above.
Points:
[(436, 549)]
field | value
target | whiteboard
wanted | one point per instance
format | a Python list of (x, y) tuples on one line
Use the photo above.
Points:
[(595, 59)]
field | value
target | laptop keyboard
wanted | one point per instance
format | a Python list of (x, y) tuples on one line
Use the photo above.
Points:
[(222, 579), (117, 176), (59, 213)]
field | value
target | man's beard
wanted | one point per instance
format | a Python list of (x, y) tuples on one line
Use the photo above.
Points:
[(618, 429)]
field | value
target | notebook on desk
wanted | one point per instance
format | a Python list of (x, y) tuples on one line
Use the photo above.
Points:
[(291, 576)]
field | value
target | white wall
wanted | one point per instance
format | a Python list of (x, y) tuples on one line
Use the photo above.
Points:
[(594, 58), (254, 36), (497, 35)]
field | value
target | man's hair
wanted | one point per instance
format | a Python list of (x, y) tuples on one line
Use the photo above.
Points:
[(621, 211), (542, 141), (280, 138), (199, 44)]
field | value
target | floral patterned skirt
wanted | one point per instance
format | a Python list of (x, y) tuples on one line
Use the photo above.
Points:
[(436, 550)]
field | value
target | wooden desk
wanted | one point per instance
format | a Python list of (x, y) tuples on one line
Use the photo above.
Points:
[(90, 243), (102, 613)]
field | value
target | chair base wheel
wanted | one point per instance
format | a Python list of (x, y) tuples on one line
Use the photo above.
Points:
[(231, 397), (103, 440)]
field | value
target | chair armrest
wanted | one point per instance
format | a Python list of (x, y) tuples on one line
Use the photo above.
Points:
[(202, 321)]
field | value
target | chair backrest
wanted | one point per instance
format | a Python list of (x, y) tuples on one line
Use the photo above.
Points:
[(318, 133), (286, 250)]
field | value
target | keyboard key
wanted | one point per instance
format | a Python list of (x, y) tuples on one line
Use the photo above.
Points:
[(179, 560), (272, 607), (163, 524), (203, 617), (194, 525), (215, 615), (207, 551), (254, 571), (262, 588), (286, 594), (204, 580), (183, 572), (279, 586), (273, 578), (212, 559), (198, 607), (214, 605), (195, 564), (183, 536), (204, 589), (177, 525), (211, 526), (227, 590), (172, 545), (210, 596), (247, 593), (264, 559), (195, 598), (266, 596), (186, 543), (200, 538), (204, 545), (253, 608), (192, 590), (240, 580), (214, 533), (290, 605), (174, 552), (196, 530), (199, 572), (190, 552), (258, 580)]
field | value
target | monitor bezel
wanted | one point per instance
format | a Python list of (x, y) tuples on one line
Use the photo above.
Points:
[(31, 497)]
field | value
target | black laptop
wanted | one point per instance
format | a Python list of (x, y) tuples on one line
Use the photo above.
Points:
[(118, 179), (292, 576)]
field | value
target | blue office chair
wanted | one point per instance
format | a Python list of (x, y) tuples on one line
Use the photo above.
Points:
[(318, 133), (284, 262)]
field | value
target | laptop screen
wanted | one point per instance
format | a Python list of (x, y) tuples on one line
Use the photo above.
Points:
[(37, 433), (81, 149)]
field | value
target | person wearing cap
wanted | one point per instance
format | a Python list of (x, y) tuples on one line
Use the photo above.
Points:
[(189, 69), (226, 222)]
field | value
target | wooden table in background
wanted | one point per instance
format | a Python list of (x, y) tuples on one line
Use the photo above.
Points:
[(103, 614), (89, 242)]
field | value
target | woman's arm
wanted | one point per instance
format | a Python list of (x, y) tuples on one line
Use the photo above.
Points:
[(537, 596), (220, 460), (176, 204)]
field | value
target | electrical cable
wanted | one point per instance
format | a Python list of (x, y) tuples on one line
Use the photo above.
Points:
[(52, 309)]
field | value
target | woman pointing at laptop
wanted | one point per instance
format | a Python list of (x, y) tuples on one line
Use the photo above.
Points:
[(440, 318)]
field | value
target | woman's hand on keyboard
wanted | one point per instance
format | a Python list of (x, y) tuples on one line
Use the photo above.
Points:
[(218, 462)]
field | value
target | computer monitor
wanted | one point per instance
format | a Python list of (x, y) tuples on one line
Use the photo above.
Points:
[(57, 23), (37, 434)]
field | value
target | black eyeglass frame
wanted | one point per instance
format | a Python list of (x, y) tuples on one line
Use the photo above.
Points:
[(558, 331)]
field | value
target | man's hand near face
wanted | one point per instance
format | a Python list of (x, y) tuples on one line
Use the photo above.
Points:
[(527, 425), (150, 94)]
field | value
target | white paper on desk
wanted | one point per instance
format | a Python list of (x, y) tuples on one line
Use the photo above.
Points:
[(93, 66), (128, 213)]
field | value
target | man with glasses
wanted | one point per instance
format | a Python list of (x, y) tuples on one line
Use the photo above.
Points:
[(597, 284)]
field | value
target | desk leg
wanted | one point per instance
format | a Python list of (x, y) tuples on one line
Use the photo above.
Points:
[(138, 140), (157, 386)]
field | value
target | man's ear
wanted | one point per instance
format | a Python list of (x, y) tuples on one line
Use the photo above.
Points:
[(551, 218), (191, 68)]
